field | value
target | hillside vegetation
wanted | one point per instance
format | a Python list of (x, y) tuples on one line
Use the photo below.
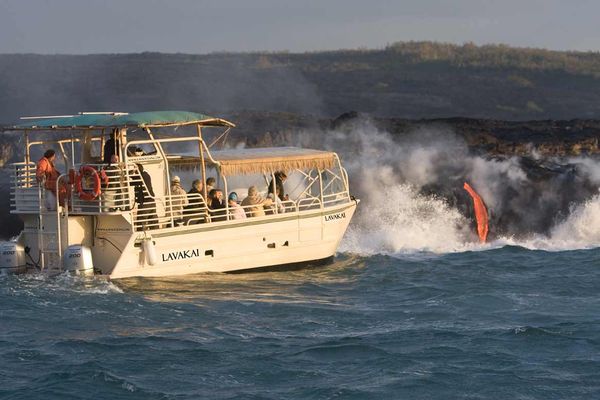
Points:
[(409, 80), (500, 56)]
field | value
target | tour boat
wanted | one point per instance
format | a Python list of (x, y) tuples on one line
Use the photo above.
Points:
[(121, 219)]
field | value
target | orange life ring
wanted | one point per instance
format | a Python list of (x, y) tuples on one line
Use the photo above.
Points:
[(84, 195)]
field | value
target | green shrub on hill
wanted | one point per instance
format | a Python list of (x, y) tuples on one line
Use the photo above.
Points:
[(499, 56)]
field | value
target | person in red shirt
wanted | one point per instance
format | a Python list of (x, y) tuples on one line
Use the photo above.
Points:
[(47, 174)]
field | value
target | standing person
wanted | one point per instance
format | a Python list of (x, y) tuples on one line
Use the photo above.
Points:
[(280, 178), (144, 196), (178, 201), (235, 210), (111, 147), (46, 174)]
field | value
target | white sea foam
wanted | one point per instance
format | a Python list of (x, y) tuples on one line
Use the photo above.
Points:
[(405, 222), (420, 224), (394, 217), (580, 230)]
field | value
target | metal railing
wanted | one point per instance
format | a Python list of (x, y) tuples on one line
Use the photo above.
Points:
[(124, 191), (24, 188), (177, 210), (117, 194)]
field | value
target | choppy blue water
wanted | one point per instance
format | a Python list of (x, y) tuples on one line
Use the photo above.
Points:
[(505, 323)]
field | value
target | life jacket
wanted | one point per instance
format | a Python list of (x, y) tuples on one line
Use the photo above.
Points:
[(46, 171)]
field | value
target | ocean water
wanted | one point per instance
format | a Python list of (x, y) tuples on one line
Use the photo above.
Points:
[(504, 322), (412, 307)]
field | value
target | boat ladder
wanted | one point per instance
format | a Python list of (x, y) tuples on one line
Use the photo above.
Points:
[(49, 237)]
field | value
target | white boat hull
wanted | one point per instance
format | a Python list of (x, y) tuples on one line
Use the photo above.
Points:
[(228, 246), (128, 217)]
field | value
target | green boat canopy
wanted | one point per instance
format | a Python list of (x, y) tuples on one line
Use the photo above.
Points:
[(148, 119)]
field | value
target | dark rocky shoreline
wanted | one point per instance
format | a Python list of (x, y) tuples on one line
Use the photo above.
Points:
[(548, 138)]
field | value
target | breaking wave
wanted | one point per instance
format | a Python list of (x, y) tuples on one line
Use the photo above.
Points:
[(580, 230), (412, 199), (406, 221)]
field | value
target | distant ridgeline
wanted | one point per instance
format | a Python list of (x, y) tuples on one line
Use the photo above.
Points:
[(408, 80)]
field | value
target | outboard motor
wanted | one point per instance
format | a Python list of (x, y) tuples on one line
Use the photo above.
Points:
[(78, 260), (12, 258)]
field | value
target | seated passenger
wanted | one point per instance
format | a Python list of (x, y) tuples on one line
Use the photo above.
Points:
[(210, 184), (136, 151), (133, 151), (235, 210), (256, 202), (216, 205), (195, 190), (192, 212)]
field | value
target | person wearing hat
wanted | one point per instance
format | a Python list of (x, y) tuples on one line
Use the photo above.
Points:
[(235, 210), (134, 151), (178, 200)]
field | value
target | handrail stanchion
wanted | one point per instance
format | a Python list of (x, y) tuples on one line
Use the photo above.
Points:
[(321, 188), (58, 222)]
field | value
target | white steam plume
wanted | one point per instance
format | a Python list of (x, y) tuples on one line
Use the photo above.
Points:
[(412, 197)]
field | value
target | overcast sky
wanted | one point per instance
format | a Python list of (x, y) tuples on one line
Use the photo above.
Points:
[(199, 26)]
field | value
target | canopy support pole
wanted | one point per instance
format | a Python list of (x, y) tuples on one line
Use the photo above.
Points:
[(102, 145), (27, 155), (72, 150), (203, 165), (122, 135), (27, 158)]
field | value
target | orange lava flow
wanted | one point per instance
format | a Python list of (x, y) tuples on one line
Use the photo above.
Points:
[(481, 214)]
